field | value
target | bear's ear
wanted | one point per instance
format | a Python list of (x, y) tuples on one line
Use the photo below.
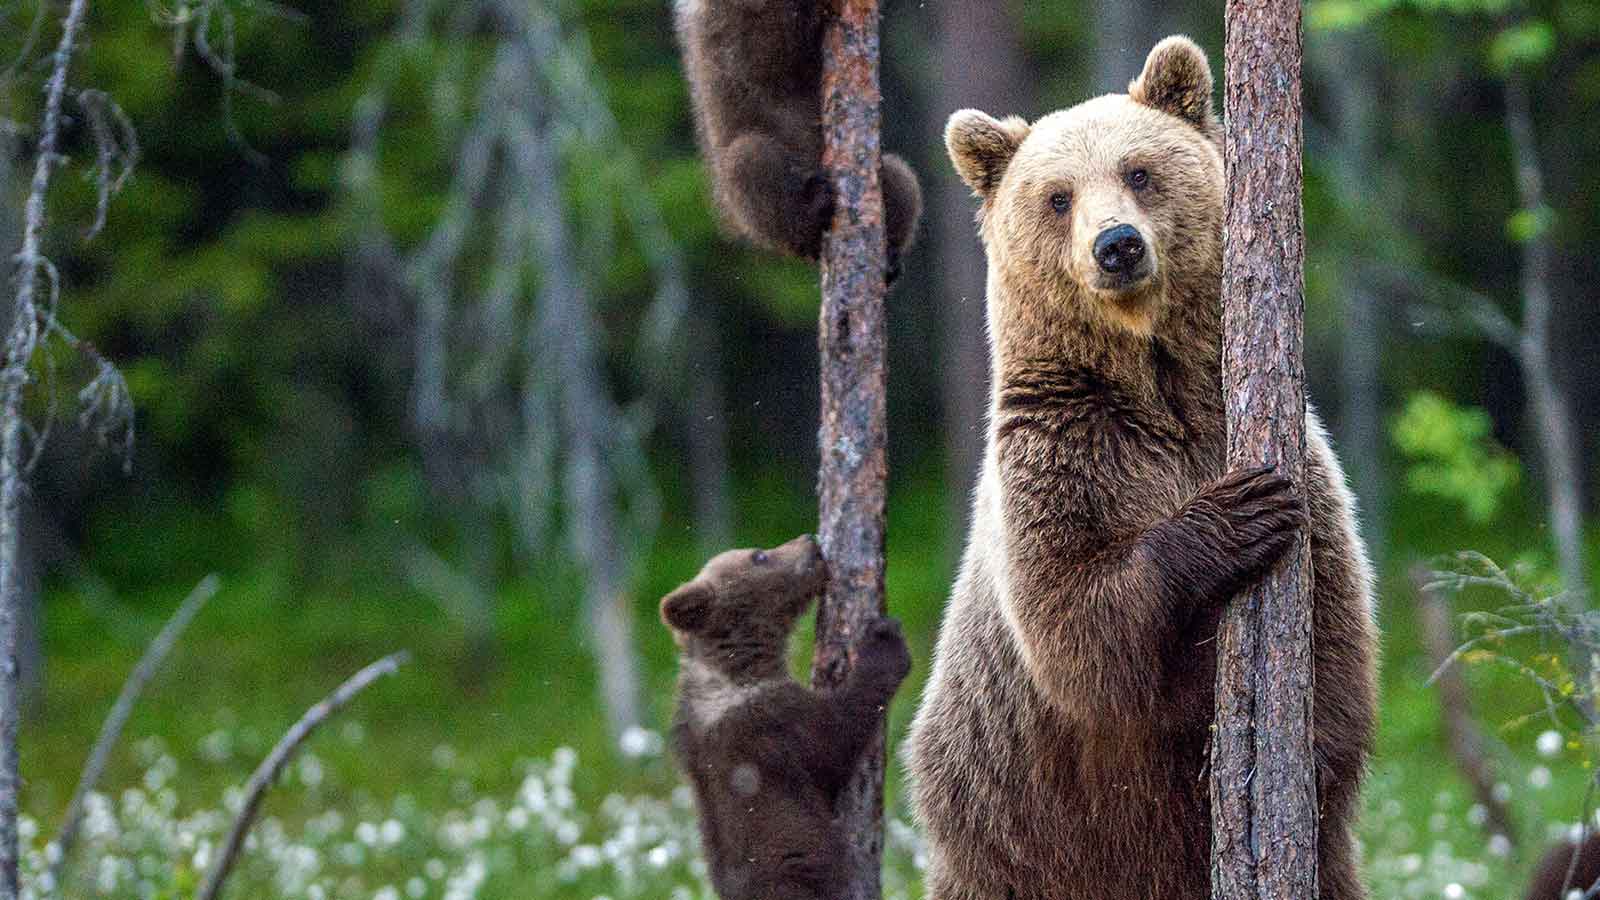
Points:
[(1177, 80), (981, 147), (687, 608)]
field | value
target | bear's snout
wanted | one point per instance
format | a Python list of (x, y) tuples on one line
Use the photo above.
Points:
[(1119, 250)]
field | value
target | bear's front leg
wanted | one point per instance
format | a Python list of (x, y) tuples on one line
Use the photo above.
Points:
[(776, 197), (845, 721)]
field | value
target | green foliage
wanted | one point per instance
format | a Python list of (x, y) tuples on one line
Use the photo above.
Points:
[(1526, 224), (1522, 45), (1453, 455)]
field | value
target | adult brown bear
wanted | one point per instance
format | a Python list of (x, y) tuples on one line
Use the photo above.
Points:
[(1060, 748)]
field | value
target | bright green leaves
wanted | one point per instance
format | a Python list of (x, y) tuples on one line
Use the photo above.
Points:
[(1453, 455), (1522, 45)]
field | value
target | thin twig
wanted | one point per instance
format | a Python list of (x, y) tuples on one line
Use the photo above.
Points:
[(1467, 742), (268, 771), (111, 730)]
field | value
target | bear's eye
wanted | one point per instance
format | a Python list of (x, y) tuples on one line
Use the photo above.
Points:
[(759, 557), (1060, 202), (1138, 179)]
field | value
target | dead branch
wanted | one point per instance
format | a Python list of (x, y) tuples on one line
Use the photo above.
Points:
[(21, 340), (267, 773), (111, 729)]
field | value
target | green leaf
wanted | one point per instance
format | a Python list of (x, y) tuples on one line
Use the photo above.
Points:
[(1453, 455), (1526, 224), (1525, 44)]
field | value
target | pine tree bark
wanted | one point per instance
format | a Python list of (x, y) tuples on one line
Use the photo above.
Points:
[(1263, 777), (852, 480)]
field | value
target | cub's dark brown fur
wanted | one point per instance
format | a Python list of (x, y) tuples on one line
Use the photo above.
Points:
[(755, 76), (766, 756), (1059, 751), (1551, 875)]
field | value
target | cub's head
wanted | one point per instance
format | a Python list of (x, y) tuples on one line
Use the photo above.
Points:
[(736, 614), (1096, 211)]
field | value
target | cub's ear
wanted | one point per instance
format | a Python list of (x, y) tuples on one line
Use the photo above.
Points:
[(688, 607), (981, 147), (1177, 80)]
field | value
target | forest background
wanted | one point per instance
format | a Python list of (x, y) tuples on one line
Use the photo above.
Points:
[(433, 344)]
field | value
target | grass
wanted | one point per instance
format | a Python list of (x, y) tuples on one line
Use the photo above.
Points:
[(431, 745)]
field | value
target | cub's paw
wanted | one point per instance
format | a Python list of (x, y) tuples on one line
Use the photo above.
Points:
[(1254, 515), (819, 199), (883, 653), (892, 269)]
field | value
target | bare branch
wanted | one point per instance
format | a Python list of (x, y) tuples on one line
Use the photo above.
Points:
[(111, 729), (116, 148), (272, 766)]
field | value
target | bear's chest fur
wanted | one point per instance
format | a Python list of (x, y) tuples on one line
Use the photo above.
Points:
[(1083, 452)]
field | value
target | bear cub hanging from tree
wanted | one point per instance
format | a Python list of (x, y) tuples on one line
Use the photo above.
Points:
[(767, 757), (755, 77)]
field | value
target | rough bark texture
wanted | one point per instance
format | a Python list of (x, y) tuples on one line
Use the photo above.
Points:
[(1263, 776), (852, 481), (1467, 742), (980, 61)]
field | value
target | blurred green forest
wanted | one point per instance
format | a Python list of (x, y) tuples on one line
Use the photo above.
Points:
[(354, 409)]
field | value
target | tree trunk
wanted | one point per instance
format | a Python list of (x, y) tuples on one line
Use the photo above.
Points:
[(852, 481), (1124, 32), (566, 335), (1552, 416), (706, 432), (980, 60), (1346, 63), (1263, 776)]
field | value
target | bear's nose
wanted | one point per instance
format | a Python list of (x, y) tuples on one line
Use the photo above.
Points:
[(1118, 248)]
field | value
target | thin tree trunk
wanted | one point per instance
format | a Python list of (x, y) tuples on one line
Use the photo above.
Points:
[(980, 60), (1263, 775), (852, 483), (1124, 32), (1552, 416), (566, 335), (1345, 61), (707, 437), (21, 340)]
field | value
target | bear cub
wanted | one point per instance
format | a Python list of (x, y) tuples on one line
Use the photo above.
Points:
[(766, 756), (1558, 877), (755, 78)]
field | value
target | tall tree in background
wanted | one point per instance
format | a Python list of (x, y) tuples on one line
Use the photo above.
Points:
[(980, 63), (1263, 774), (1346, 63), (1123, 34), (853, 481), (510, 395)]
